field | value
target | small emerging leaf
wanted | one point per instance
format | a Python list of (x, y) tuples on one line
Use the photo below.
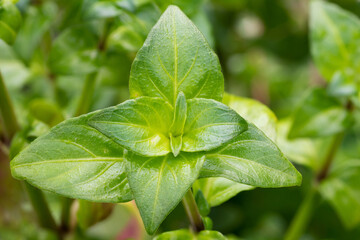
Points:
[(209, 124), (218, 190), (159, 183), (140, 125), (176, 57), (76, 161), (251, 159)]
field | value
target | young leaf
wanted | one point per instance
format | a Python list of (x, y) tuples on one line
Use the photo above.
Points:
[(251, 159), (255, 112), (319, 115), (218, 190), (140, 125), (342, 190), (10, 21), (177, 127), (159, 183), (335, 35), (209, 124), (176, 57), (76, 161)]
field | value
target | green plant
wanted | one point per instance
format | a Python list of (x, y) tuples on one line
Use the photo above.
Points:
[(328, 115), (154, 147)]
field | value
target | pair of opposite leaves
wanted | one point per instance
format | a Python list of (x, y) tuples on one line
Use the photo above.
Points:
[(176, 81)]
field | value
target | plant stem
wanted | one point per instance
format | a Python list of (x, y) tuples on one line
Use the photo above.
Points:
[(41, 208), (86, 94), (9, 120), (303, 216), (330, 156), (65, 214), (192, 212)]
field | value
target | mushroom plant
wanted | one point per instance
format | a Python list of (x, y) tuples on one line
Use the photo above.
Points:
[(153, 147)]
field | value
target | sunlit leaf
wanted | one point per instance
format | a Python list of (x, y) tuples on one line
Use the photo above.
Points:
[(209, 124), (140, 125), (159, 183), (76, 161), (176, 57), (251, 159)]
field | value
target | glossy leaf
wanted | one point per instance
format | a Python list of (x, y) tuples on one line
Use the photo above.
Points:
[(218, 190), (255, 112), (335, 36), (176, 57), (210, 124), (342, 190), (159, 183), (319, 115), (140, 125), (10, 21), (76, 161), (251, 159)]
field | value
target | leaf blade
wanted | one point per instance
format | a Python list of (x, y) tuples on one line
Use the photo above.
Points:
[(178, 66), (76, 161), (140, 125), (159, 183)]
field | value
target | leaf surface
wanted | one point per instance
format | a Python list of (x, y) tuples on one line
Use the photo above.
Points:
[(140, 125), (209, 124), (319, 115), (218, 190), (76, 161), (342, 190), (335, 37), (251, 159), (159, 183), (176, 57), (10, 21)]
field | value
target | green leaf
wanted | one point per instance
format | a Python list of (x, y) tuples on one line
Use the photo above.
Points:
[(140, 125), (334, 36), (46, 112), (319, 115), (177, 127), (342, 190), (76, 161), (255, 112), (251, 159), (10, 21), (218, 190), (74, 51), (203, 205), (305, 151), (176, 57), (210, 124), (159, 183), (90, 213), (188, 235)]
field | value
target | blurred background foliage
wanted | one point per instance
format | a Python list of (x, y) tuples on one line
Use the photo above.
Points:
[(64, 48)]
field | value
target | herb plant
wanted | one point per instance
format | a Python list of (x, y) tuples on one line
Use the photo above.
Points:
[(177, 135)]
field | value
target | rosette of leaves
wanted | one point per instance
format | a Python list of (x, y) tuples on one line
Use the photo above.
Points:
[(153, 147)]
